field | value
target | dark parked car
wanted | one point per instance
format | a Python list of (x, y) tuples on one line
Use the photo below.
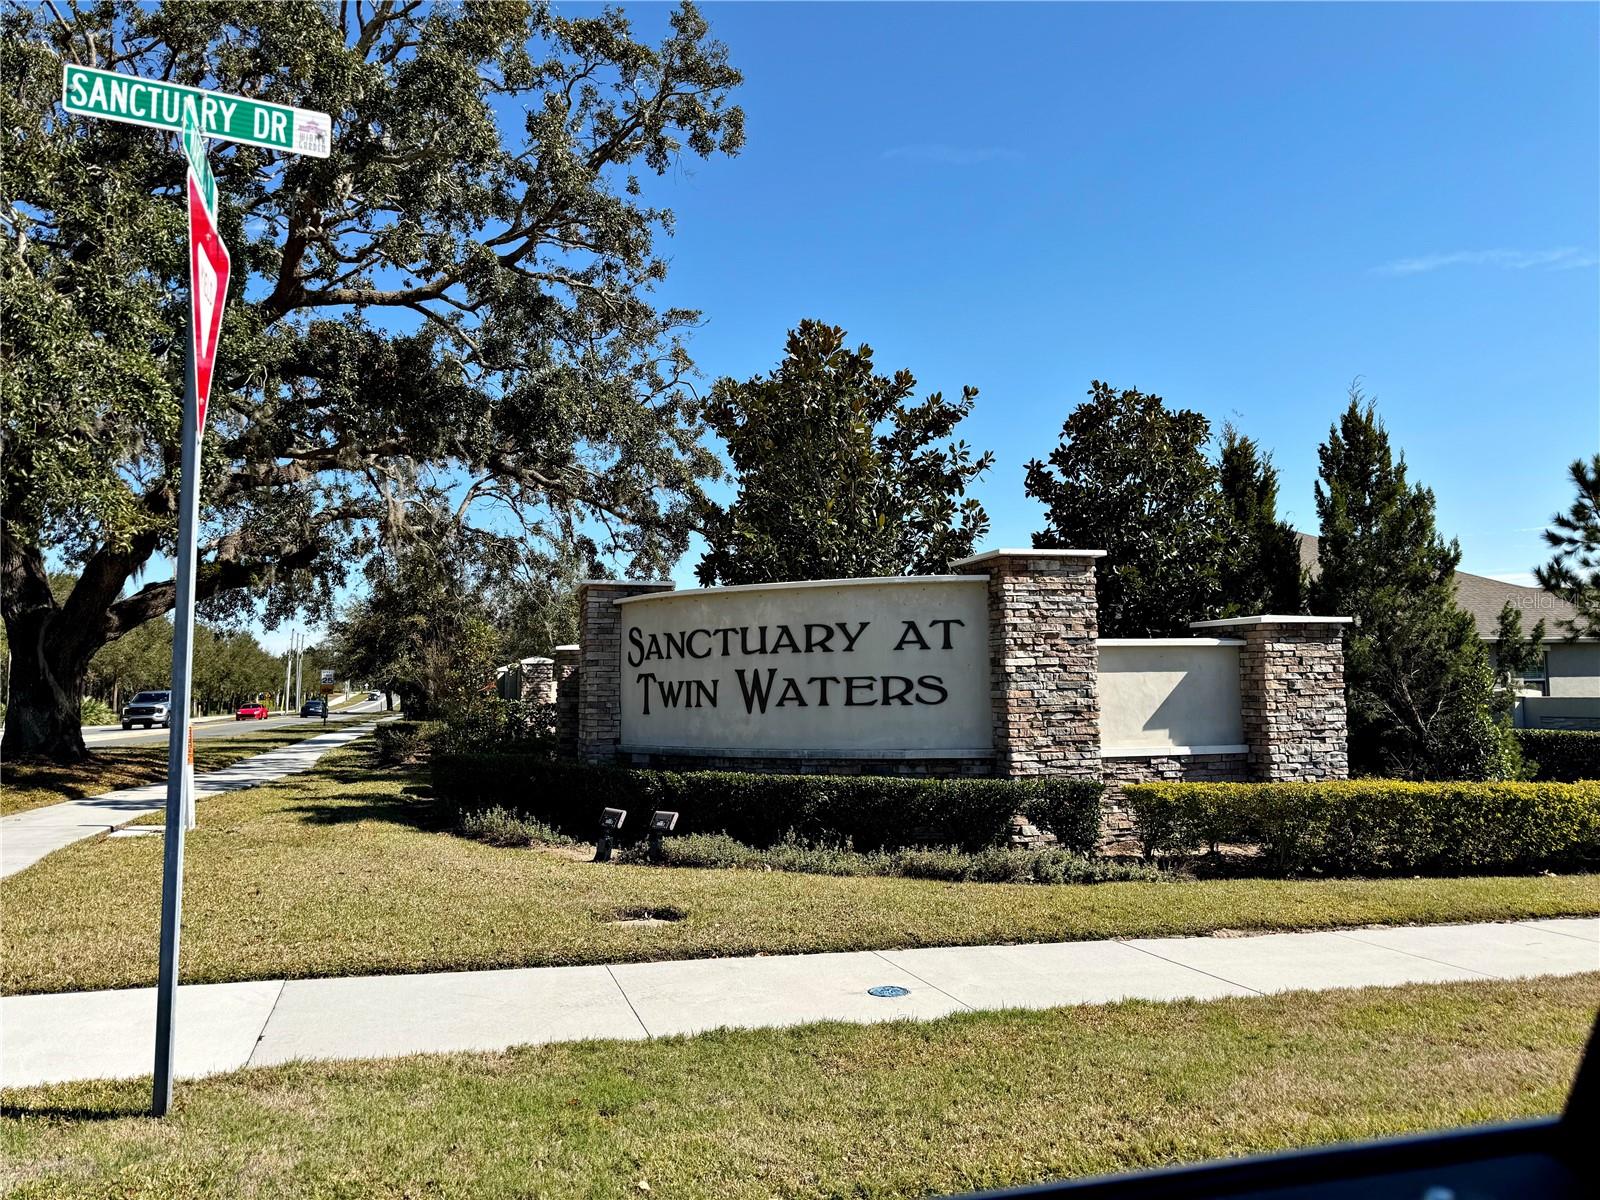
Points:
[(314, 708)]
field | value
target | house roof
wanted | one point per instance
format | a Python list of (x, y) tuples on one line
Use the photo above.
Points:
[(1484, 598)]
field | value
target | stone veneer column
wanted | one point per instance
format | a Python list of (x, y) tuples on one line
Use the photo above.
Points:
[(1043, 662), (566, 688), (600, 663), (1291, 695), (538, 680)]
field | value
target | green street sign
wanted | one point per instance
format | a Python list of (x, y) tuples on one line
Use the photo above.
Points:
[(194, 149), (91, 92)]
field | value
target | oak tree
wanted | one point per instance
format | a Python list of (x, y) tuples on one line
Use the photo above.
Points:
[(458, 298)]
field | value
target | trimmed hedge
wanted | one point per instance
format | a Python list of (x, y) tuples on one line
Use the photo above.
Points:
[(1567, 755), (872, 812), (1376, 826), (997, 864)]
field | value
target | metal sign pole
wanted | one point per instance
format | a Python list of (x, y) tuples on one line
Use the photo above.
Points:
[(178, 776)]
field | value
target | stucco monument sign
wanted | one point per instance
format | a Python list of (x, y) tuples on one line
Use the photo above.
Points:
[(878, 668), (997, 670)]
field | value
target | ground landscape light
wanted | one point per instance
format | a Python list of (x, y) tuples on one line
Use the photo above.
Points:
[(611, 820), (661, 822)]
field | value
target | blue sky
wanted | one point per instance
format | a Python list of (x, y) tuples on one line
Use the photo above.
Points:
[(1241, 208)]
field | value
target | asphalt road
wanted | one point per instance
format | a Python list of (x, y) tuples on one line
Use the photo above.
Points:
[(113, 735)]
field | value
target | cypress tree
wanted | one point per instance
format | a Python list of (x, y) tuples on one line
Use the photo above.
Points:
[(1417, 676), (1260, 567)]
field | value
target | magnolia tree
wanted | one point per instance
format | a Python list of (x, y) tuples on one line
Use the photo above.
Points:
[(842, 473), (455, 302)]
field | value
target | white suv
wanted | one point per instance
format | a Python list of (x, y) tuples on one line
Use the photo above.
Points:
[(147, 709)]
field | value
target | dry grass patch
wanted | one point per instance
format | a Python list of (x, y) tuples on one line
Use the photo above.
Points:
[(904, 1109)]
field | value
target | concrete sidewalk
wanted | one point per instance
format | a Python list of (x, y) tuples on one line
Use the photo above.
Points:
[(222, 1027), (26, 837)]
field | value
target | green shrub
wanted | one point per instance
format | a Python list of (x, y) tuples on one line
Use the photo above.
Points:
[(501, 827), (96, 712), (401, 742), (491, 724), (867, 811), (1565, 755), (994, 864), (1376, 826)]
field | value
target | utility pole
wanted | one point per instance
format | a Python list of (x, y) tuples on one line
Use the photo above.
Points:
[(300, 672)]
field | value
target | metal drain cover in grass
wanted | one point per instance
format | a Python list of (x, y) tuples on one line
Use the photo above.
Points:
[(888, 990), (647, 916)]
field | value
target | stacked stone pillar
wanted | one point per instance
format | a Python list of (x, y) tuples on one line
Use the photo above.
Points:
[(1044, 665), (1291, 690), (566, 699), (538, 680), (599, 699)]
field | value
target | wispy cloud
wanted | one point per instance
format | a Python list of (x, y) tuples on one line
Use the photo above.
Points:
[(1559, 259), (940, 154), (1522, 578)]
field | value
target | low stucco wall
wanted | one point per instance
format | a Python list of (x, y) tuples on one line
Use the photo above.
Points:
[(1170, 694), (1559, 712), (1574, 669)]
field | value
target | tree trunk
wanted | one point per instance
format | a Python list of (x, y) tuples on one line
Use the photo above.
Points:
[(42, 720)]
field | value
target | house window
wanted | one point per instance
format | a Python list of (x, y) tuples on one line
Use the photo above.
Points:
[(1536, 679)]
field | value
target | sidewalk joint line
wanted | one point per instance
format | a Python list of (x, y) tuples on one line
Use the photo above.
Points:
[(1413, 954), (1577, 937), (1187, 967), (261, 1033), (922, 981), (628, 1000)]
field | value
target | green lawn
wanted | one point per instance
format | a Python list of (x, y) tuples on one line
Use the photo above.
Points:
[(978, 1100), (33, 785), (338, 871)]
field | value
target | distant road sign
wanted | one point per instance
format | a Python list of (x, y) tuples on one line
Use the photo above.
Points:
[(92, 92)]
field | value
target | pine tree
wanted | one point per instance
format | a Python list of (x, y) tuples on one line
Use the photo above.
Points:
[(1573, 572), (1260, 571), (1417, 677), (1514, 653)]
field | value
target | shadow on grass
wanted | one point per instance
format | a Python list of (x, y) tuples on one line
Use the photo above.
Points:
[(414, 813), (410, 805), (67, 1112)]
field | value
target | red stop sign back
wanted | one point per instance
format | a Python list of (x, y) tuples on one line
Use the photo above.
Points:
[(208, 292)]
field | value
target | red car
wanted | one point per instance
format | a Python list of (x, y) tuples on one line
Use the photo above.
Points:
[(252, 712)]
